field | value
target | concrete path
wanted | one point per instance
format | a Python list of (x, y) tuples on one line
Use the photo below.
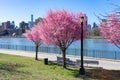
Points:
[(103, 63)]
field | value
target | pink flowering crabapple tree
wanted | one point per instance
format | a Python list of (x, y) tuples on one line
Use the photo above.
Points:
[(33, 35), (111, 29), (61, 28)]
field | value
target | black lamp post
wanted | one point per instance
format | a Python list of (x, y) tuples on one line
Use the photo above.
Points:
[(82, 70)]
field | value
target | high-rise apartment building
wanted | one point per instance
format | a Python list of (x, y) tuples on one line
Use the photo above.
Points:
[(7, 25), (31, 23), (23, 26)]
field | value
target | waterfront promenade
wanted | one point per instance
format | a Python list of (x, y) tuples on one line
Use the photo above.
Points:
[(103, 63)]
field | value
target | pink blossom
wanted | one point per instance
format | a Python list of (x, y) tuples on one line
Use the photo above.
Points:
[(62, 27), (111, 29)]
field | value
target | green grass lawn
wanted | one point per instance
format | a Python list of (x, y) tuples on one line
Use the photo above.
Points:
[(24, 68)]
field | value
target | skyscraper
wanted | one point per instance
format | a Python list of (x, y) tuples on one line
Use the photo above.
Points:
[(31, 23), (31, 17), (23, 26), (32, 20)]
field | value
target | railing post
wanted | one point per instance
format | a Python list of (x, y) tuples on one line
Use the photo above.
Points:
[(85, 50), (8, 46), (25, 48), (16, 47), (60, 51), (2, 46), (75, 52), (115, 55), (47, 49), (93, 54)]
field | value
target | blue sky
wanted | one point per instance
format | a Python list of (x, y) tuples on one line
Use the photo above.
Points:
[(20, 10)]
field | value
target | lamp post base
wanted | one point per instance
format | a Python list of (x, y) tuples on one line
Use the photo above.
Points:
[(82, 71)]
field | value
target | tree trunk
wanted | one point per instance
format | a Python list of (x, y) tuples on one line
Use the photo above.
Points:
[(36, 55), (64, 58)]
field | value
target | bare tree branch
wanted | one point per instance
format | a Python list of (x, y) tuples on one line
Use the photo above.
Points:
[(117, 46)]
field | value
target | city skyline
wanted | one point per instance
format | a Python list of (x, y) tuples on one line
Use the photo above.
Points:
[(21, 10)]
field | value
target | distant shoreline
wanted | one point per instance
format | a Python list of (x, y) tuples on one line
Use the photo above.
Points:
[(90, 37), (12, 37), (95, 37)]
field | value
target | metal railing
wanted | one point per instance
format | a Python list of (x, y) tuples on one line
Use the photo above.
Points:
[(70, 51)]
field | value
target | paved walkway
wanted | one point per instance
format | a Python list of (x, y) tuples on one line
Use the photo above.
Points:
[(104, 63)]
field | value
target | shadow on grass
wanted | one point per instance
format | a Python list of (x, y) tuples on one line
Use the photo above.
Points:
[(103, 74), (98, 74), (39, 60), (11, 68), (73, 71)]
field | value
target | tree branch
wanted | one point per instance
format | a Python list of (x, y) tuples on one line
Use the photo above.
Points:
[(117, 46)]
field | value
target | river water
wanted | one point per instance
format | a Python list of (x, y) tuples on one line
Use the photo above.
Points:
[(90, 44)]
